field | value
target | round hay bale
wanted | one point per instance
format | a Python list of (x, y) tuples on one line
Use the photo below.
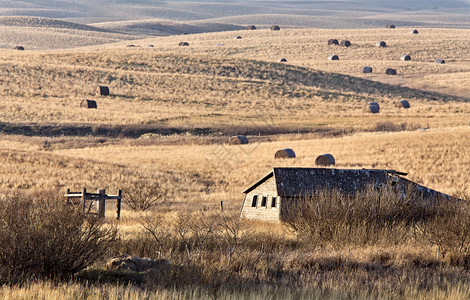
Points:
[(391, 71), (183, 44), (440, 61), (403, 104), (333, 42), (282, 60), (104, 90), (414, 31), (275, 27), (373, 107), (21, 48), (405, 57), (238, 140), (130, 46), (367, 70), (381, 44), (333, 57), (251, 27), (237, 37), (285, 153), (150, 46), (88, 104), (345, 43), (325, 160), (390, 26)]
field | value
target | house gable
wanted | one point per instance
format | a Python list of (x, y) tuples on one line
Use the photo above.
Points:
[(262, 201)]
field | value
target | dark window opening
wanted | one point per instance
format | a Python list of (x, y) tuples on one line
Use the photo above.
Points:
[(273, 203), (263, 201), (255, 200)]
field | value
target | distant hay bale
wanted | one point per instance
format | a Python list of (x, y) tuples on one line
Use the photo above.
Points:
[(325, 160), (238, 140), (285, 153), (391, 71), (251, 27), (367, 70), (130, 46), (237, 37), (403, 104), (390, 26), (88, 104), (150, 46), (414, 31), (21, 48), (333, 42), (345, 43), (381, 44), (282, 60), (440, 61), (333, 57), (275, 27), (405, 57), (183, 44), (373, 107), (104, 90)]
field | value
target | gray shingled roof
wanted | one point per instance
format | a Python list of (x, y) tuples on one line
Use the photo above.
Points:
[(291, 182)]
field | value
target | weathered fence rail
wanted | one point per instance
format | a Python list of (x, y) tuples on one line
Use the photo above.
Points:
[(88, 200)]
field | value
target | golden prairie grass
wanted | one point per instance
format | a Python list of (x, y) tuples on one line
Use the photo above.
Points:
[(437, 158), (308, 47), (211, 87), (185, 90)]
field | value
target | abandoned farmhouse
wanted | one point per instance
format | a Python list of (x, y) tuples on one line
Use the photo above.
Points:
[(268, 198)]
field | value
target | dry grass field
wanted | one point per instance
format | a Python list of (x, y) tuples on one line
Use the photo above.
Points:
[(168, 120)]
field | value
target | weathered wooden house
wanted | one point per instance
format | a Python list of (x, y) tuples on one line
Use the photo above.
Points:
[(269, 198)]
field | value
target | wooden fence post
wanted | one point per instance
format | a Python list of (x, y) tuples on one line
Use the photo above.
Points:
[(102, 204), (84, 200), (68, 199), (118, 205)]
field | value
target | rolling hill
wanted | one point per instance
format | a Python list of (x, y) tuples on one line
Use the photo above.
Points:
[(322, 14)]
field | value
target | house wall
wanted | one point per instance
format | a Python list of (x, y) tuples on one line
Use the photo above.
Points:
[(267, 212)]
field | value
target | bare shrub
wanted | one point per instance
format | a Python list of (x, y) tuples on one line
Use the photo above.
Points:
[(156, 226), (229, 233), (369, 217), (196, 233), (388, 126), (194, 230), (449, 229), (143, 195), (42, 237)]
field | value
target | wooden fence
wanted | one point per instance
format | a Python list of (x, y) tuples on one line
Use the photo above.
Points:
[(88, 200)]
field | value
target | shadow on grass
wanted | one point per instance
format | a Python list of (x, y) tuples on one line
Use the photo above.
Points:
[(135, 131)]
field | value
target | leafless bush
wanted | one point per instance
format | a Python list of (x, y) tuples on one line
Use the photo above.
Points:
[(369, 217), (449, 229), (156, 226), (229, 232), (196, 233), (143, 195), (194, 230), (388, 126), (42, 237)]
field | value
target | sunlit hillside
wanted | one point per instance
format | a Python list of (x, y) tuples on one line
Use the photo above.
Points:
[(163, 132)]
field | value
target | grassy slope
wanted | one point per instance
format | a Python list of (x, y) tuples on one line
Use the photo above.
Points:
[(168, 90), (239, 88), (308, 48), (45, 33)]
